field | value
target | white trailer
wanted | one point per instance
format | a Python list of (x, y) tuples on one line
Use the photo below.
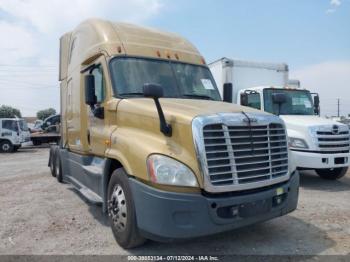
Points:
[(13, 132), (315, 142)]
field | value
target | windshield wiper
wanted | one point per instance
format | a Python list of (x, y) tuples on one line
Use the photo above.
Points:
[(299, 113), (132, 94), (198, 96)]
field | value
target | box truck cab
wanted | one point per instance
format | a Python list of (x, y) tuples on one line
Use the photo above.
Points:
[(13, 132), (146, 135), (315, 142)]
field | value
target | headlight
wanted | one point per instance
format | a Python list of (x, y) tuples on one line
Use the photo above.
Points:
[(167, 171), (297, 142)]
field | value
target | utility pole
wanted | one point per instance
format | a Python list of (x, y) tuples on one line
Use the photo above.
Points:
[(338, 105)]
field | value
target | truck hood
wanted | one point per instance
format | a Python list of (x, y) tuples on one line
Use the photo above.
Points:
[(307, 121), (180, 110), (304, 127), (138, 134)]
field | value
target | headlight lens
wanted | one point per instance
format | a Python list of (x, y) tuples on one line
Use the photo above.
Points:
[(297, 142), (167, 171)]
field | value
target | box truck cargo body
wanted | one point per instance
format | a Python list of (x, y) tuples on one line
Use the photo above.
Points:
[(146, 135), (315, 142)]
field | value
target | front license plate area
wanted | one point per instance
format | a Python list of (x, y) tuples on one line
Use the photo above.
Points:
[(254, 208)]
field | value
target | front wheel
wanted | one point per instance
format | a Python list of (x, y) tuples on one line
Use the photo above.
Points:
[(6, 146), (121, 211), (332, 173)]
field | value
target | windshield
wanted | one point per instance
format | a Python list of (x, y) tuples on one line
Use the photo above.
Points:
[(299, 102), (23, 125), (178, 80)]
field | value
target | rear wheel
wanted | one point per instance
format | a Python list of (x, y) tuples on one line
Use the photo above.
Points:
[(332, 173), (36, 142), (6, 146), (121, 211), (52, 161), (58, 166)]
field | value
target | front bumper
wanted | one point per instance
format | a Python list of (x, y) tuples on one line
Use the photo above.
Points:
[(165, 216), (318, 161)]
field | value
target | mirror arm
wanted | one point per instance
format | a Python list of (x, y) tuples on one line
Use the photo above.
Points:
[(165, 128)]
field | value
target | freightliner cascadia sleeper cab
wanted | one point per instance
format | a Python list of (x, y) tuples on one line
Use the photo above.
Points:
[(146, 135)]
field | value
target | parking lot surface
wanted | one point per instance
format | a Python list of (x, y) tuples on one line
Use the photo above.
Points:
[(40, 216)]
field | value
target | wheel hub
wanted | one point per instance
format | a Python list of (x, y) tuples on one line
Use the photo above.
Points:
[(117, 208), (5, 147)]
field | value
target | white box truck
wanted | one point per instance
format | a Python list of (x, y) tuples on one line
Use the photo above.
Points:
[(13, 132), (315, 142)]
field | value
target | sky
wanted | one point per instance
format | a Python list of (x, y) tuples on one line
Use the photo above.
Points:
[(311, 36)]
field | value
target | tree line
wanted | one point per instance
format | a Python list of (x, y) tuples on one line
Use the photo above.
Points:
[(11, 112)]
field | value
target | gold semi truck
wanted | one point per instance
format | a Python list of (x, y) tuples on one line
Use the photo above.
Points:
[(145, 134)]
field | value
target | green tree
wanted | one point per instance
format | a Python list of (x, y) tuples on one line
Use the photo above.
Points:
[(42, 114), (9, 112)]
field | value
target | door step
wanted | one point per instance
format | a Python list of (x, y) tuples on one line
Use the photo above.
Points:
[(91, 196)]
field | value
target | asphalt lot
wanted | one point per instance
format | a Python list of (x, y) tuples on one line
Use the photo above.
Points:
[(40, 216)]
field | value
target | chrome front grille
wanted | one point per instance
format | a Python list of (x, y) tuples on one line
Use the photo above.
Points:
[(240, 154), (333, 141), (234, 155)]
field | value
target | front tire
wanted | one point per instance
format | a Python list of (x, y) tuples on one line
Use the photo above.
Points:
[(332, 173), (6, 147), (121, 211)]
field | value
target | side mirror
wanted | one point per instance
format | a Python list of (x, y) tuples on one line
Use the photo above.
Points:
[(227, 92), (90, 97), (317, 104), (244, 99), (155, 92), (279, 98)]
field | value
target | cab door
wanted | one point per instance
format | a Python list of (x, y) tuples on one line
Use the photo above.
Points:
[(96, 124)]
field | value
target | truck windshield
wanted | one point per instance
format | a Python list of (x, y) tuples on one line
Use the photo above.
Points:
[(299, 102), (23, 125), (178, 80)]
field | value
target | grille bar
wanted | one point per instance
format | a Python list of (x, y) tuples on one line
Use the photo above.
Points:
[(342, 142)]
